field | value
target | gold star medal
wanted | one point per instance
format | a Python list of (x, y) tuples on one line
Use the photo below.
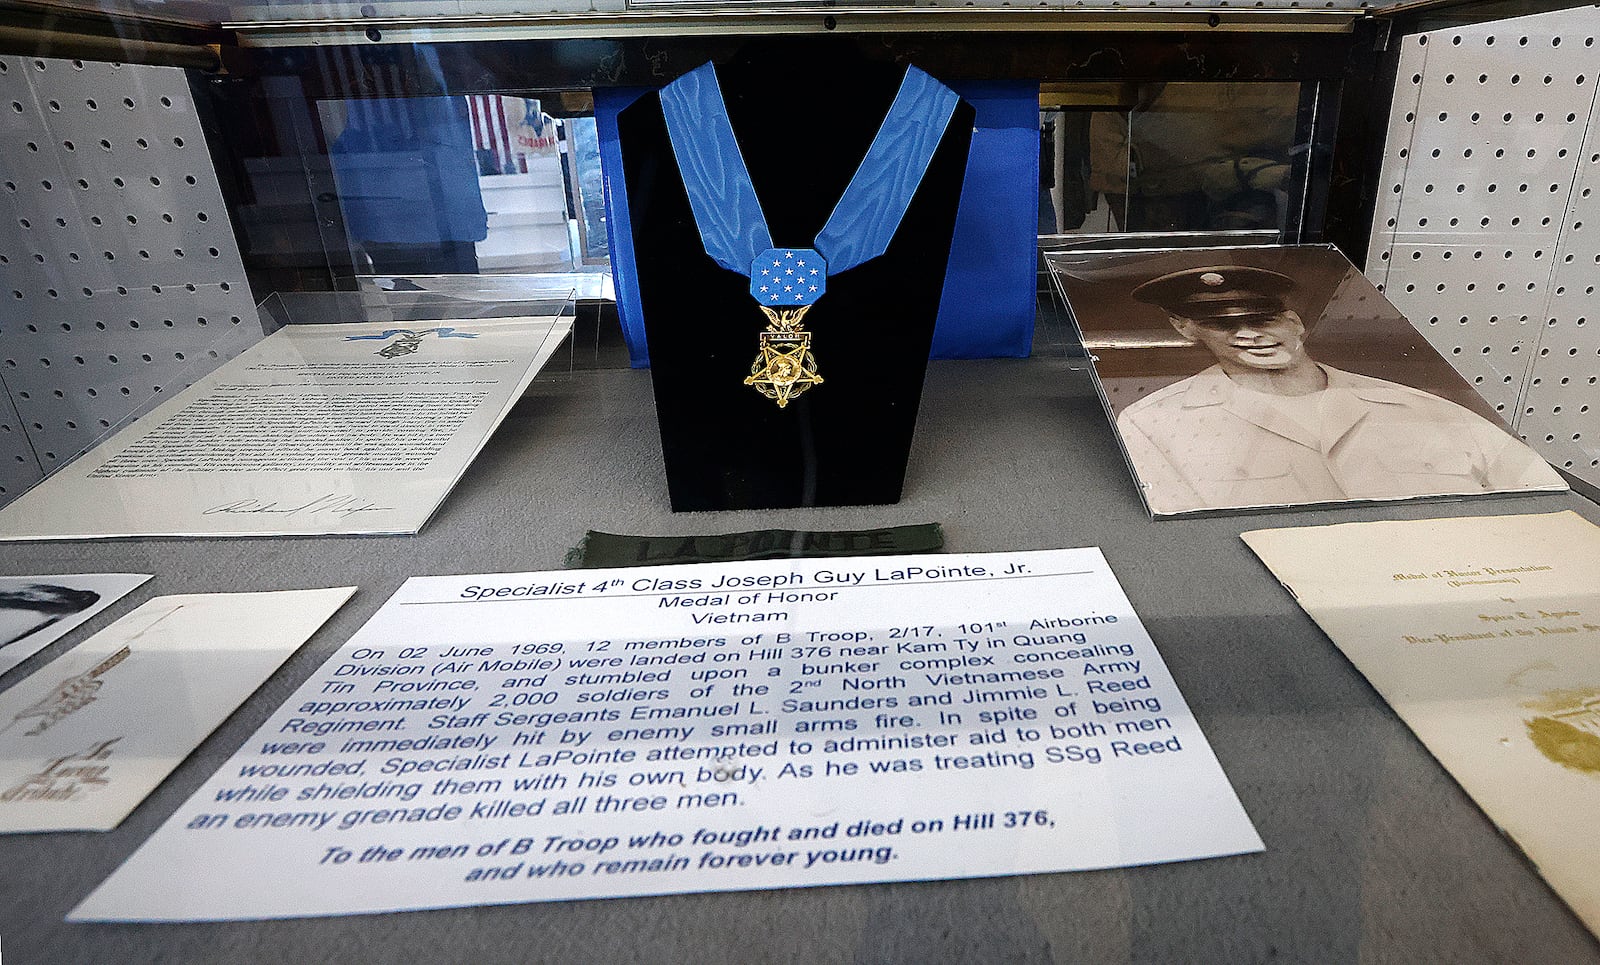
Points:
[(785, 368), (786, 282)]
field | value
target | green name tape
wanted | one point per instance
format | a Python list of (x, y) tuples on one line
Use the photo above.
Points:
[(601, 550)]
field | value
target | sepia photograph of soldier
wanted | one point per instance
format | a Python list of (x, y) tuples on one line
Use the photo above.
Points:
[(1269, 423)]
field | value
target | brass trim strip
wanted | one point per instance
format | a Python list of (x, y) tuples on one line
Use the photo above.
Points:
[(31, 42)]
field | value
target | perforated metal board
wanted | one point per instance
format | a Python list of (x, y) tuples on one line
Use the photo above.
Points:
[(1561, 408), (118, 267), (18, 466), (1473, 231)]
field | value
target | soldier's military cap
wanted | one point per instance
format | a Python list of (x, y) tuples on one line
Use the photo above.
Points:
[(1217, 293)]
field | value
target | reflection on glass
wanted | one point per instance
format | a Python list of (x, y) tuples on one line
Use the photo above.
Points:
[(1198, 157), (288, 11), (407, 173), (524, 185), (483, 183), (1177, 157), (585, 155)]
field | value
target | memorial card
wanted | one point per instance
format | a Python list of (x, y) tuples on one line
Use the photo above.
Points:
[(317, 429), (1483, 634), (36, 611), (88, 736), (714, 727), (1278, 376)]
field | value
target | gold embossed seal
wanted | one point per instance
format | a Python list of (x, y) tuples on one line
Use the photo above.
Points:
[(1567, 729)]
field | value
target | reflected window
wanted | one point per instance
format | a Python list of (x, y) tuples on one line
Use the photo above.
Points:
[(483, 183), (407, 175), (1173, 157)]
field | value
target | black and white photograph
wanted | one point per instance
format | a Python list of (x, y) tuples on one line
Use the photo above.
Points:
[(1257, 377), (35, 611)]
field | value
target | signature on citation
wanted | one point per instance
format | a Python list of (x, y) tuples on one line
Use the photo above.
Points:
[(340, 506)]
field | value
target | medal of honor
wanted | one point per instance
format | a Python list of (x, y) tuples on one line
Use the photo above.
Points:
[(786, 282), (785, 368)]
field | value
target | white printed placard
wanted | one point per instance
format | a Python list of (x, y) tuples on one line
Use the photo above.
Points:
[(317, 429), (94, 731), (714, 727)]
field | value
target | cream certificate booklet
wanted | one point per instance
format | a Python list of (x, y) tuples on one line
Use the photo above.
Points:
[(317, 429), (83, 740), (36, 611), (1483, 633), (714, 727)]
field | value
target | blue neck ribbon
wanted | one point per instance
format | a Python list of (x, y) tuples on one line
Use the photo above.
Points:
[(728, 213)]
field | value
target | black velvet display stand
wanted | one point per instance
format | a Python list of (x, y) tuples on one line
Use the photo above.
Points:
[(804, 112)]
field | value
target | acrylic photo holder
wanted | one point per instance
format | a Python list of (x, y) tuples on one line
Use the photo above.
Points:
[(1271, 376)]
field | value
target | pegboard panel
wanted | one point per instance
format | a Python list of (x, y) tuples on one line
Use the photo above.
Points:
[(1478, 306), (1561, 409), (1397, 155), (118, 266), (19, 469), (1487, 126), (1485, 141)]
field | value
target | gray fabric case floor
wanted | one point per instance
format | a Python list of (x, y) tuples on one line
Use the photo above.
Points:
[(1373, 852)]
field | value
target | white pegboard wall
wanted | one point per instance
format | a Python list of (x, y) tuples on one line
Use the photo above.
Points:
[(118, 265), (1472, 228), (1561, 409), (18, 466)]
